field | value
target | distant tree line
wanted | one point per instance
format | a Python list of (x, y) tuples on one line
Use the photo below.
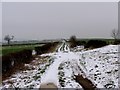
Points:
[(93, 43)]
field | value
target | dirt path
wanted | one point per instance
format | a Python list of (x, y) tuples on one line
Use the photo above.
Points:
[(85, 83)]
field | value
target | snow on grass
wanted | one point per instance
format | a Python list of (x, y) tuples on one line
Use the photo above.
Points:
[(102, 65), (29, 78)]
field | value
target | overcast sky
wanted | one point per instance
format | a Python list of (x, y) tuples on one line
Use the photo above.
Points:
[(52, 20)]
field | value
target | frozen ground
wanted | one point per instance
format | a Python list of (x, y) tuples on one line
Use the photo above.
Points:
[(99, 65)]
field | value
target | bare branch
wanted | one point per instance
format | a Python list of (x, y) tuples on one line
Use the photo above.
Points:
[(115, 34)]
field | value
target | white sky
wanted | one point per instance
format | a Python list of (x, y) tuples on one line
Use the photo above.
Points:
[(35, 33)]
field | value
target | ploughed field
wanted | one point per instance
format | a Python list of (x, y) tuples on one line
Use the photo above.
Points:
[(70, 68)]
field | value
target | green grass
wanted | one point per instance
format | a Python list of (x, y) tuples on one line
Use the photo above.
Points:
[(10, 49)]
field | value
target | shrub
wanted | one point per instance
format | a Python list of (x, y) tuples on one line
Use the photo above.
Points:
[(95, 44), (116, 42), (6, 63), (12, 59), (73, 41), (81, 43), (45, 48)]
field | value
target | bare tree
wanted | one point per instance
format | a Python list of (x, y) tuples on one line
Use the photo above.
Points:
[(115, 34), (8, 38), (73, 41)]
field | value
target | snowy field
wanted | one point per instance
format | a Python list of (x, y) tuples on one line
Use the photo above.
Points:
[(98, 65)]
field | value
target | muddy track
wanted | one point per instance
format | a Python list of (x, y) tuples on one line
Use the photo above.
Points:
[(84, 82)]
